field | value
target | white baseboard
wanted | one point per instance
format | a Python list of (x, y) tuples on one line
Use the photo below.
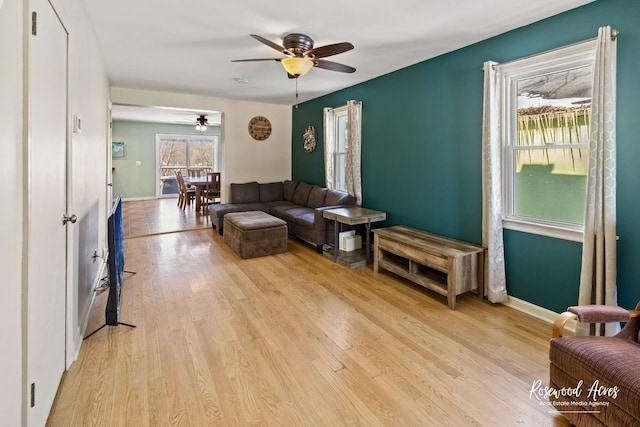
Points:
[(537, 311), (133, 199)]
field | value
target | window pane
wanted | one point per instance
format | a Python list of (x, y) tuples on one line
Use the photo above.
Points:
[(173, 155), (551, 184), (341, 133), (201, 154), (192, 155), (340, 151), (340, 182), (553, 110)]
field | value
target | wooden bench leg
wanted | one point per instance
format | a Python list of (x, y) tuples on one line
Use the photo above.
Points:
[(454, 280), (480, 278), (376, 254)]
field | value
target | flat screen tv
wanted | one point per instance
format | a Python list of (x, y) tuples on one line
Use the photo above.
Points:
[(115, 265), (115, 262)]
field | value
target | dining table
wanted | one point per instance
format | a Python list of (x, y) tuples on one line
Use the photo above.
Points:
[(200, 184)]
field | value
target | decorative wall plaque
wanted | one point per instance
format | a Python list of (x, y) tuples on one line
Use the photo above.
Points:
[(310, 138), (259, 128)]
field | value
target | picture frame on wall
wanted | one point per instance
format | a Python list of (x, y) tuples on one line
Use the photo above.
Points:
[(117, 149)]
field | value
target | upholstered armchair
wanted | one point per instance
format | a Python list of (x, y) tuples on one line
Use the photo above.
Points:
[(595, 380)]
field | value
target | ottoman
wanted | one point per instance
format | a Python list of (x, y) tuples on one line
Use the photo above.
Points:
[(255, 233)]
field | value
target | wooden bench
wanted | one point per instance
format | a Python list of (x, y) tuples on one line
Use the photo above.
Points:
[(447, 266)]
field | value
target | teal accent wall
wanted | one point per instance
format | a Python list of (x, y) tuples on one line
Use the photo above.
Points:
[(421, 150), (139, 139)]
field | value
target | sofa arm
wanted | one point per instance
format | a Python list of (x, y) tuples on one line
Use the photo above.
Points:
[(589, 314)]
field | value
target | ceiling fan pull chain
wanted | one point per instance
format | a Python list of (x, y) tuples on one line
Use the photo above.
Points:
[(296, 92)]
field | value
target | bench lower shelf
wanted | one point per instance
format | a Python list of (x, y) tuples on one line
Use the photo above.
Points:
[(430, 279)]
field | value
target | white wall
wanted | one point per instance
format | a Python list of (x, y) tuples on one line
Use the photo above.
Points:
[(11, 211), (243, 158), (88, 99), (89, 93)]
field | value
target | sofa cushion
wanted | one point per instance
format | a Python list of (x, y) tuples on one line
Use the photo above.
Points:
[(280, 209), (337, 197), (271, 192), (253, 220), (282, 204), (248, 192), (316, 197), (292, 213), (289, 187), (301, 194)]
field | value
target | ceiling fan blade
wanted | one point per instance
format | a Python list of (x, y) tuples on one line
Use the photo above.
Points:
[(257, 59), (268, 43), (333, 66), (328, 50)]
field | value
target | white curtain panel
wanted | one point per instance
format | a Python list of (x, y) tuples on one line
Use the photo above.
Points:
[(329, 145), (495, 280), (598, 274), (353, 174)]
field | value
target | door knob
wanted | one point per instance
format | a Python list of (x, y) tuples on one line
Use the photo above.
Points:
[(66, 218)]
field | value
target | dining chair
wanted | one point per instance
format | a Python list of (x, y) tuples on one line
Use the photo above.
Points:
[(211, 192), (178, 176), (195, 173), (186, 194)]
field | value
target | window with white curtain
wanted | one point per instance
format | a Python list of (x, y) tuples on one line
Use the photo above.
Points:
[(342, 148), (340, 145), (545, 123)]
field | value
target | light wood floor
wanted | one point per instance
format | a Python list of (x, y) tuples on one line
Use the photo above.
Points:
[(144, 217), (295, 340)]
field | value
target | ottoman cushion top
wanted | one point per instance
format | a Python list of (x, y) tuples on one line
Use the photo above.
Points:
[(253, 220)]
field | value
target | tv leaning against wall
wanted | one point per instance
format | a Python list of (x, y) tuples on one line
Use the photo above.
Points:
[(115, 262)]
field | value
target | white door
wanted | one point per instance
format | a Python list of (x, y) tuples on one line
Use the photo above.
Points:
[(46, 195)]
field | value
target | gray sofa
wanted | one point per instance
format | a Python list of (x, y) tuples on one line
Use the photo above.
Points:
[(298, 203)]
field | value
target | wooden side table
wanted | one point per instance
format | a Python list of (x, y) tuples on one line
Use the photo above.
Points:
[(353, 215)]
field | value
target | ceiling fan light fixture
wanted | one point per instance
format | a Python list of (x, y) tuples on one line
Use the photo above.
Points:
[(297, 66), (201, 124)]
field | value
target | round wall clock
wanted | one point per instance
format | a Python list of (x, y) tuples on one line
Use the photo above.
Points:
[(259, 128), (310, 137)]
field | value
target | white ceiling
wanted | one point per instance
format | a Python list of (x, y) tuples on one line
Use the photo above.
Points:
[(187, 46)]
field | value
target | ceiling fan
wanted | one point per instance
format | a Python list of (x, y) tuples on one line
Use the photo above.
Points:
[(201, 123), (301, 56)]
